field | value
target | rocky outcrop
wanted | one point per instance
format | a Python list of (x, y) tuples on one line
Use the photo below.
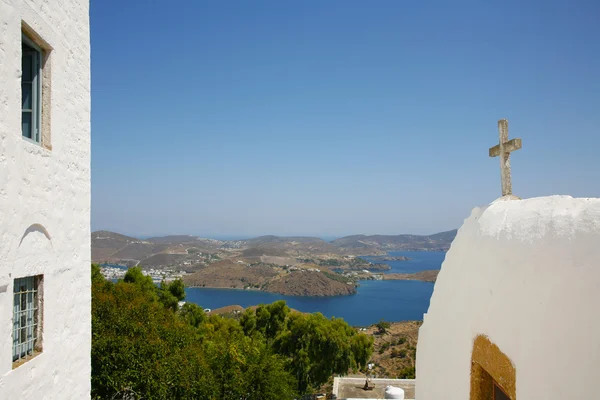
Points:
[(309, 283)]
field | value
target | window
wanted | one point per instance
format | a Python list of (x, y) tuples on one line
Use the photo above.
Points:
[(31, 90), (27, 319), (499, 393)]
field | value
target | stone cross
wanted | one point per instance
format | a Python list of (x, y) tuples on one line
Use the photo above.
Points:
[(503, 150)]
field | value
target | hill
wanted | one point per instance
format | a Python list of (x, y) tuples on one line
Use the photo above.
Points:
[(173, 239), (287, 265), (309, 283), (230, 275), (293, 245), (384, 243), (106, 243), (395, 350)]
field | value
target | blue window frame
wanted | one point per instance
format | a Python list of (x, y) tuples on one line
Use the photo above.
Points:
[(31, 90), (26, 317)]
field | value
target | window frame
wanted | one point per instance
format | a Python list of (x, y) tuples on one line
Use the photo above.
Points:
[(22, 351), (36, 90)]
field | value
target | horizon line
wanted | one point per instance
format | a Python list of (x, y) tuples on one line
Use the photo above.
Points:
[(244, 237)]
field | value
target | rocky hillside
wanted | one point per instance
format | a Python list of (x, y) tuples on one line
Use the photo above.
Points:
[(362, 244), (112, 247), (231, 275), (105, 244), (291, 245), (395, 350), (269, 278), (309, 283)]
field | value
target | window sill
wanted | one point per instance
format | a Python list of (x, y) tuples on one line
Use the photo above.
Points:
[(37, 146), (31, 141), (25, 360)]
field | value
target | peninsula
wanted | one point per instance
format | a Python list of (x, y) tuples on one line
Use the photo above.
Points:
[(300, 266)]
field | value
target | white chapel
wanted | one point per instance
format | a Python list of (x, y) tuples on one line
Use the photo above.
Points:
[(45, 300), (514, 311)]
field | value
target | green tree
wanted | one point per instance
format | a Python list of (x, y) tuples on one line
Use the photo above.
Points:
[(134, 275), (177, 289), (271, 318), (96, 274), (383, 326), (193, 314), (362, 349), (140, 345), (248, 322), (318, 347)]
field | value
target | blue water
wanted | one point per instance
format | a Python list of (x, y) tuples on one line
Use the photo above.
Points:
[(418, 261), (390, 300)]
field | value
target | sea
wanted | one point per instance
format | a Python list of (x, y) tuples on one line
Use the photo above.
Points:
[(375, 300)]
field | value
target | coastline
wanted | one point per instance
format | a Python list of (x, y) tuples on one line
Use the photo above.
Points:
[(268, 291)]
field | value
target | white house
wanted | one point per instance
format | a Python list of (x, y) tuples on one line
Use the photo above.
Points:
[(45, 319), (514, 312)]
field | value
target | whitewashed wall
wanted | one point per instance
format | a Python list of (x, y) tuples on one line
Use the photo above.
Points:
[(45, 201), (527, 274)]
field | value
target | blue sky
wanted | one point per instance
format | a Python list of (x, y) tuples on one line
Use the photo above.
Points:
[(335, 117)]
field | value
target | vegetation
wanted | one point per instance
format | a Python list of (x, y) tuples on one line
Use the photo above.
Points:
[(395, 354), (145, 345), (383, 326), (331, 262), (337, 277), (407, 373)]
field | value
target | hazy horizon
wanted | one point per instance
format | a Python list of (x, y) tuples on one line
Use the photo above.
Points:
[(243, 237), (335, 118)]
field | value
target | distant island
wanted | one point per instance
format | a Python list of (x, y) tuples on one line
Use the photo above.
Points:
[(298, 266)]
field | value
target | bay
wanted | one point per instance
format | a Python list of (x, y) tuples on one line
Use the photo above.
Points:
[(375, 300), (417, 261)]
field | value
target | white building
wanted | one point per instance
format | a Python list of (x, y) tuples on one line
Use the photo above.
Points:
[(45, 318), (514, 312)]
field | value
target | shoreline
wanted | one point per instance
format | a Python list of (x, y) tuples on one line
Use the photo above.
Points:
[(269, 292), (392, 277)]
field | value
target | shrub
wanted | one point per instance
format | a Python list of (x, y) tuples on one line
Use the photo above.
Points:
[(383, 326), (407, 373)]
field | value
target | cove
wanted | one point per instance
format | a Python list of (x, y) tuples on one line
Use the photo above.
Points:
[(375, 300)]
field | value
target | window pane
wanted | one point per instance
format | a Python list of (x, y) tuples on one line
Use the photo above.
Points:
[(26, 124), (27, 64), (499, 394), (26, 92)]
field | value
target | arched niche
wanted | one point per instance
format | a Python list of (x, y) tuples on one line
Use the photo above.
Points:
[(493, 375)]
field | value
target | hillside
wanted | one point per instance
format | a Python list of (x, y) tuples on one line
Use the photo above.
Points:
[(269, 278), (395, 350), (293, 245), (302, 266), (362, 244), (112, 247), (231, 275), (309, 283), (173, 239), (105, 244)]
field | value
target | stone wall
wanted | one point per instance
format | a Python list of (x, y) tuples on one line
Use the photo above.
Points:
[(45, 200), (525, 275)]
